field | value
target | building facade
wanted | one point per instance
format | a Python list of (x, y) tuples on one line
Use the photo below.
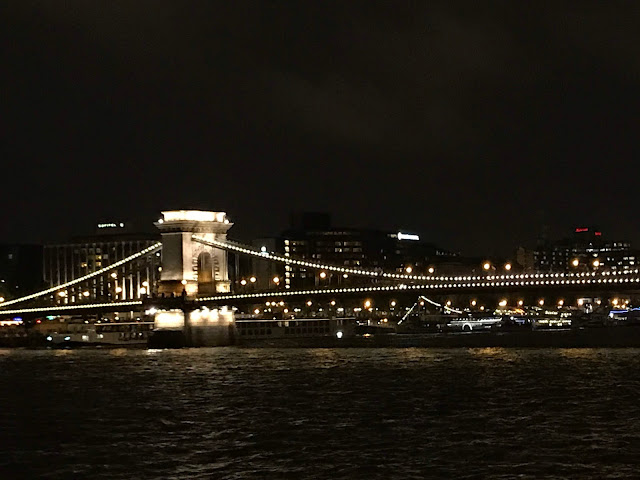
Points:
[(586, 249), (81, 256), (312, 238)]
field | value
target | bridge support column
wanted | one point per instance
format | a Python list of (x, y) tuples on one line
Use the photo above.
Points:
[(190, 266)]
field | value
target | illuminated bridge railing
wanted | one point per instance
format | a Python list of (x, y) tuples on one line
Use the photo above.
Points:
[(464, 285), (71, 308)]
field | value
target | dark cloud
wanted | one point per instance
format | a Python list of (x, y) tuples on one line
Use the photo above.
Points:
[(474, 124)]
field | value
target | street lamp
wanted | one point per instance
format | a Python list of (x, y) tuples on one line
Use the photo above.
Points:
[(431, 270), (253, 279), (575, 262), (486, 266), (243, 282), (596, 263), (409, 269), (507, 266)]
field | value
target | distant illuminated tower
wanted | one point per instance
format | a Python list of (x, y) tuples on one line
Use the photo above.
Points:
[(189, 265)]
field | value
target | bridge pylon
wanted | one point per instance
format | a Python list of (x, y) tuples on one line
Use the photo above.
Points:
[(189, 266)]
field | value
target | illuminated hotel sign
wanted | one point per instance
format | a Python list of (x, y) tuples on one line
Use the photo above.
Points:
[(407, 236), (111, 225), (584, 229)]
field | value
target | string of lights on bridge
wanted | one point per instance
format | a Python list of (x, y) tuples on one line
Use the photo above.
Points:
[(537, 277), (434, 282), (81, 306), (146, 251)]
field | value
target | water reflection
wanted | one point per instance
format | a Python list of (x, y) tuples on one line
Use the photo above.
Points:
[(496, 353), (320, 413)]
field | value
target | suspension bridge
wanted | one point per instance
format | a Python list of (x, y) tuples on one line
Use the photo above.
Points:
[(194, 251)]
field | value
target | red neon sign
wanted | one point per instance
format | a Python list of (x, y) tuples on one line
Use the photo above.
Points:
[(578, 230), (598, 234)]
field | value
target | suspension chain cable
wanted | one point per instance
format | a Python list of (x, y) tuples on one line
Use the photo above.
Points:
[(152, 249)]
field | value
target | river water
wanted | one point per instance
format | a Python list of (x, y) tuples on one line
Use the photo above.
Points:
[(320, 413)]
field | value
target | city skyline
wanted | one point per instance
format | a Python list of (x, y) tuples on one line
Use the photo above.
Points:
[(474, 126)]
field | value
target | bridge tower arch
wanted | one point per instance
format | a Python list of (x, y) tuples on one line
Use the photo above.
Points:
[(196, 268)]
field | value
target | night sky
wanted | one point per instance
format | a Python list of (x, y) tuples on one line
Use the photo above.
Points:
[(471, 125)]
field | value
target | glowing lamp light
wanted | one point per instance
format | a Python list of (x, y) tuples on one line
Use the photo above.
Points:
[(118, 289), (448, 303), (486, 265), (580, 302), (393, 303), (339, 334), (503, 303), (323, 274), (145, 284), (85, 294), (256, 311), (367, 304), (541, 302), (575, 262), (143, 291), (62, 294), (473, 303), (507, 266), (520, 303), (560, 302), (431, 270), (183, 282), (252, 279), (615, 301), (309, 303), (345, 275), (114, 275), (333, 303), (596, 263), (243, 282), (408, 269), (276, 280)]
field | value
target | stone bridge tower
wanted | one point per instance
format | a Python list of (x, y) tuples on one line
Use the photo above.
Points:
[(188, 265)]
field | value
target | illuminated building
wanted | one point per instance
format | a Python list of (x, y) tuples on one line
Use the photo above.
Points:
[(84, 255), (311, 237), (585, 249)]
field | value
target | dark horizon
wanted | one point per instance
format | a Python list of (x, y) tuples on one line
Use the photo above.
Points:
[(472, 125)]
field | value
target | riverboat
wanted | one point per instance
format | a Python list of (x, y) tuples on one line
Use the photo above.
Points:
[(121, 334)]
